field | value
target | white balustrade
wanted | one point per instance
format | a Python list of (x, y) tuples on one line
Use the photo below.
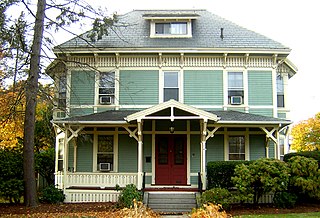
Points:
[(58, 180)]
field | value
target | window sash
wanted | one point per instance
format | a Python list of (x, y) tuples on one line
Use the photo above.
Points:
[(107, 85), (105, 150), (173, 28), (171, 86), (236, 148)]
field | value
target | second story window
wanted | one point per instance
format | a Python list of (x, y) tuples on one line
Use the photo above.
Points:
[(173, 28), (171, 86), (107, 88), (235, 88), (62, 96), (280, 91)]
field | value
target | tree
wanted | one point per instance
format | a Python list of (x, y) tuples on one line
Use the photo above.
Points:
[(306, 134)]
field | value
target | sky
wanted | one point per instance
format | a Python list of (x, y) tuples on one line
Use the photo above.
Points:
[(294, 23)]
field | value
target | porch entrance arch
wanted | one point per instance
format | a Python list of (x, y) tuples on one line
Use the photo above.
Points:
[(171, 160)]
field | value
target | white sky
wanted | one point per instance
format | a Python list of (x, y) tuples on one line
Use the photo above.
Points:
[(294, 23)]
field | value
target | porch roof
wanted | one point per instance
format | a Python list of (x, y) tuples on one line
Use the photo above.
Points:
[(118, 117)]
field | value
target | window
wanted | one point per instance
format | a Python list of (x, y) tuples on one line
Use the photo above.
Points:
[(280, 91), (62, 92), (60, 154), (107, 88), (236, 148), (173, 28), (105, 151), (171, 86), (235, 88)]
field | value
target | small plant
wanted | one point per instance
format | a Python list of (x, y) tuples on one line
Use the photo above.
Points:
[(137, 210), (219, 196), (284, 199), (209, 210), (52, 195), (127, 195)]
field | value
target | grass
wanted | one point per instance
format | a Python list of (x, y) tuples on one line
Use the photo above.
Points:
[(288, 215)]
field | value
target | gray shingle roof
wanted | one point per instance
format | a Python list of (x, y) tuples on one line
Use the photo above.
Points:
[(233, 117), (133, 31)]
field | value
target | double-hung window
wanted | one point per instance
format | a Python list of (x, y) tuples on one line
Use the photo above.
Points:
[(107, 88), (172, 28), (237, 148), (105, 153), (235, 88), (171, 86), (60, 154), (280, 91), (62, 92)]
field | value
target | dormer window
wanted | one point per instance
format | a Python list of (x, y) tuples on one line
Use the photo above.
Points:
[(172, 28)]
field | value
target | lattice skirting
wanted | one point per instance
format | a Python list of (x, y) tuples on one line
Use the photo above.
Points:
[(78, 196)]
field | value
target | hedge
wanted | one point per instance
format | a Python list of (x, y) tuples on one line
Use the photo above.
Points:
[(219, 173), (311, 154)]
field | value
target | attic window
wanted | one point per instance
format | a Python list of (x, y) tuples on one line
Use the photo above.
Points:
[(170, 29)]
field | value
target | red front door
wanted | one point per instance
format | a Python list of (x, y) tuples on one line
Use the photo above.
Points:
[(171, 160)]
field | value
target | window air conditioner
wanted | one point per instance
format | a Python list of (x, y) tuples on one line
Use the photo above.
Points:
[(104, 166), (236, 100), (105, 100)]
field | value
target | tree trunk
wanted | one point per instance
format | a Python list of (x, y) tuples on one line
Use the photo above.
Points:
[(30, 190)]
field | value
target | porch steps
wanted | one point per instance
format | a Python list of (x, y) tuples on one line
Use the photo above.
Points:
[(171, 202)]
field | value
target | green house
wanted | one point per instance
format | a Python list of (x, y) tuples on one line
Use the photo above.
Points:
[(164, 93)]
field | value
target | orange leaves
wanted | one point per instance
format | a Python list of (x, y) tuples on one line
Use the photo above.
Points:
[(306, 134)]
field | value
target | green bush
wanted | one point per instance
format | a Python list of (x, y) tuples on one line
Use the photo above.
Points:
[(127, 195), (305, 176), (284, 199), (310, 154), (51, 195), (11, 175), (216, 196), (219, 173), (260, 177)]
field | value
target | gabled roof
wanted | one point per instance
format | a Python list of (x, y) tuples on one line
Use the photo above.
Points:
[(200, 114), (132, 32)]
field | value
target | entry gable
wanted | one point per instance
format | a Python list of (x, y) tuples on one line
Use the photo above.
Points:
[(172, 110)]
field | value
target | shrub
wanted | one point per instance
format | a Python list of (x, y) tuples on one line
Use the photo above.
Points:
[(11, 175), (305, 176), (219, 196), (209, 210), (127, 195), (219, 173), (310, 154), (284, 199), (51, 195), (260, 177), (138, 210)]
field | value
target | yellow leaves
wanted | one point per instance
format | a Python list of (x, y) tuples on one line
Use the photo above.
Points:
[(306, 134), (209, 210)]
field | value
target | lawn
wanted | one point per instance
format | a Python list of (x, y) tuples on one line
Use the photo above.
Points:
[(289, 215)]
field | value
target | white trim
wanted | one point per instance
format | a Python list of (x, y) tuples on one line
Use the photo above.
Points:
[(274, 92), (153, 180), (170, 20), (188, 154)]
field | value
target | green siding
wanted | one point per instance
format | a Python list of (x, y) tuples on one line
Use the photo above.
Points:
[(194, 153), (240, 109), (84, 153), (282, 115), (260, 87), (147, 152), (82, 88), (271, 149), (139, 87), (80, 111), (257, 146), (265, 112), (194, 180), (215, 148), (71, 154), (127, 148), (203, 87)]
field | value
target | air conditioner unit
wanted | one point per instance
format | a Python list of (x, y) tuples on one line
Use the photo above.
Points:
[(104, 166), (105, 100), (236, 100)]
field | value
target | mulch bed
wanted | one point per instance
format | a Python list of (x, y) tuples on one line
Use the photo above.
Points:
[(98, 209)]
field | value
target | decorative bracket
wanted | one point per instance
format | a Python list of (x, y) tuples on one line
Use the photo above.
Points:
[(270, 134), (132, 133), (211, 133), (74, 133)]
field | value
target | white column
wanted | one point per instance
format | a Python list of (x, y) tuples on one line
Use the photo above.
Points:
[(75, 156), (203, 154), (65, 159), (140, 156)]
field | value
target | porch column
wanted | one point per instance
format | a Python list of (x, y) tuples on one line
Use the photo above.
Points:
[(65, 159), (203, 153), (140, 156)]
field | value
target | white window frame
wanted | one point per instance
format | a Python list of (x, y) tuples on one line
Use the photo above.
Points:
[(243, 88), (280, 93), (115, 96), (180, 84), (228, 134), (153, 33)]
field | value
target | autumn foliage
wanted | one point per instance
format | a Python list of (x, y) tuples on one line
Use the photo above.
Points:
[(306, 134)]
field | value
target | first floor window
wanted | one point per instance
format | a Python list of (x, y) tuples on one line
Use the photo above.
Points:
[(107, 88), (235, 88), (236, 148), (281, 145), (171, 86), (105, 160)]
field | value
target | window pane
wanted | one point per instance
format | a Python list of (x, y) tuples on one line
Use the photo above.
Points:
[(235, 80), (280, 100), (107, 79), (236, 148), (105, 143), (179, 28), (62, 84), (107, 91), (280, 84), (171, 79), (105, 158), (170, 93), (236, 157), (163, 151), (178, 151)]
